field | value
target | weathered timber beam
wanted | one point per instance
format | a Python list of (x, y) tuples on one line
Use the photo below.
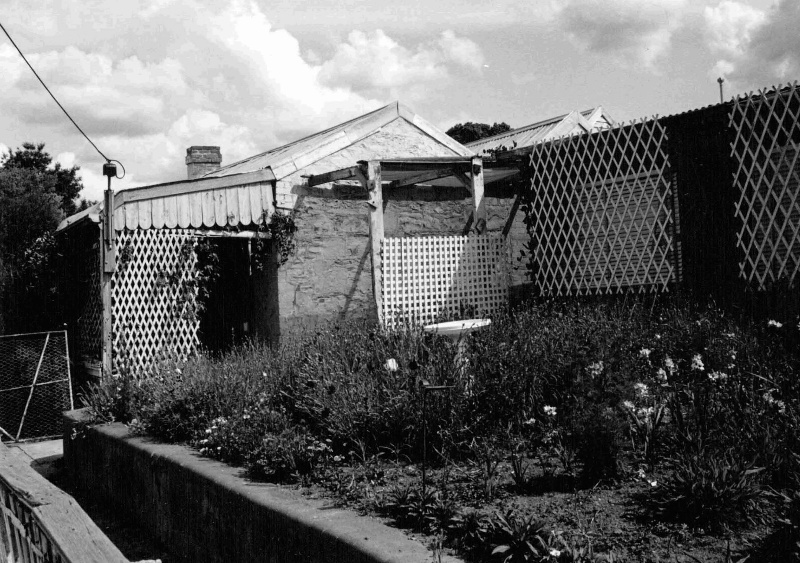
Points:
[(343, 174), (422, 177)]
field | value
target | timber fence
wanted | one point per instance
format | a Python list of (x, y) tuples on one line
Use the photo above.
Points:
[(42, 524), (707, 201)]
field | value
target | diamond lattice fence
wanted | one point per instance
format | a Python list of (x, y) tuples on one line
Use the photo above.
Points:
[(90, 321), (154, 292), (35, 384), (428, 278), (767, 136), (600, 212)]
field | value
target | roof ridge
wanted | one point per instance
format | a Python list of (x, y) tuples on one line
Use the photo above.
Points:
[(307, 137)]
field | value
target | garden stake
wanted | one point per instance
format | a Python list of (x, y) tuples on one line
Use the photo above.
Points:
[(425, 388)]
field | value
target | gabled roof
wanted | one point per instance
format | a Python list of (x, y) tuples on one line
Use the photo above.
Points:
[(589, 120), (289, 158)]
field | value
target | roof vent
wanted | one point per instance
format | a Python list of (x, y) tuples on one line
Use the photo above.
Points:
[(202, 160)]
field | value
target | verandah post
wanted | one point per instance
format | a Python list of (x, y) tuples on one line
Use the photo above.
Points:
[(373, 176)]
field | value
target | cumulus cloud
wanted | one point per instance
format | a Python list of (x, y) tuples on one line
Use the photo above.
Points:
[(632, 32), (730, 25), (757, 48), (203, 73), (374, 62)]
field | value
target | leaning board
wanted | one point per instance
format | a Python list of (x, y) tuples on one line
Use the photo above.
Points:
[(426, 279)]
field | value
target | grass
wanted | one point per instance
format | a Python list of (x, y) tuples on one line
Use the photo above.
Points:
[(582, 431)]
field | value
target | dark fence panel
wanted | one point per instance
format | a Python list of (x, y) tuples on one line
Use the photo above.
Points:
[(728, 204)]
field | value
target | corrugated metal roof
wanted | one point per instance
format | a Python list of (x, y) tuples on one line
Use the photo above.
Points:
[(287, 159), (590, 119)]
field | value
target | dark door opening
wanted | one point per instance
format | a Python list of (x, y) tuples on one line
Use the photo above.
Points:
[(226, 320)]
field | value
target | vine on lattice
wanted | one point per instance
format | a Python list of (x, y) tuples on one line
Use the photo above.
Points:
[(155, 298)]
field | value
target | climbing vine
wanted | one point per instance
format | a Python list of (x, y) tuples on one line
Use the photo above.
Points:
[(280, 229)]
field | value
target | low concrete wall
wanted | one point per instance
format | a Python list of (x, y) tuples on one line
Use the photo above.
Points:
[(203, 510)]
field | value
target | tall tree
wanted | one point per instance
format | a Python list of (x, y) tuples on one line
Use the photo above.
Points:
[(468, 132), (66, 183)]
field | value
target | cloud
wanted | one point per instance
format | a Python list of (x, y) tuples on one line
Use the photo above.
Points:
[(104, 96), (730, 25), (153, 79), (758, 48), (374, 62), (632, 32)]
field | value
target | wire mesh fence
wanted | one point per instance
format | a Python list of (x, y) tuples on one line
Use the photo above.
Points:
[(35, 384)]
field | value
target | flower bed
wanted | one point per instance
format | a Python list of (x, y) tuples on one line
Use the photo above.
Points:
[(682, 415)]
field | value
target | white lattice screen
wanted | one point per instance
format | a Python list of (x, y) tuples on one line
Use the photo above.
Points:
[(767, 128), (153, 296), (428, 278), (600, 212)]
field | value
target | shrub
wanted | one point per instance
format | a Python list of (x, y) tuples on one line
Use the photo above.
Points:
[(707, 488), (518, 538), (287, 456)]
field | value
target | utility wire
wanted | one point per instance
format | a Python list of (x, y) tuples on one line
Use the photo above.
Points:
[(52, 96)]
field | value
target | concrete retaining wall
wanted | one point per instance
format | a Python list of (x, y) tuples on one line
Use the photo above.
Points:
[(203, 511)]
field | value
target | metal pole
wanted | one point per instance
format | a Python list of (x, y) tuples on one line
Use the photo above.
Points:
[(720, 80)]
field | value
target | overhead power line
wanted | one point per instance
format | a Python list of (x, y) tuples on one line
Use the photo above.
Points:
[(52, 96)]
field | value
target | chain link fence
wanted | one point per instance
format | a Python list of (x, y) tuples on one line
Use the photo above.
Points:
[(35, 385)]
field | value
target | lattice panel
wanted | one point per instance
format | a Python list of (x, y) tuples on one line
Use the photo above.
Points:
[(767, 129), (600, 212), (152, 295), (428, 278), (90, 321)]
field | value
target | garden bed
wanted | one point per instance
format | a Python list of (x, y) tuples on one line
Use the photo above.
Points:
[(636, 430), (205, 511)]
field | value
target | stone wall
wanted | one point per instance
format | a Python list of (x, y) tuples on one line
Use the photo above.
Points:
[(330, 276)]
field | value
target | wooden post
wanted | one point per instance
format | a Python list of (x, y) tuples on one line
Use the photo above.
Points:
[(373, 174), (477, 195), (107, 343)]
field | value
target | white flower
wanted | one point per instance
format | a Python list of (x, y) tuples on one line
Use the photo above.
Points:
[(653, 483), (670, 365), (628, 405), (549, 411), (697, 363), (661, 375), (716, 375), (337, 458), (645, 353), (596, 368), (555, 552), (390, 365), (775, 324), (641, 473), (641, 389), (530, 422), (658, 337), (781, 406)]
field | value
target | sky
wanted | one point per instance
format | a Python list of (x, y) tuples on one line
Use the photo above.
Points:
[(146, 79)]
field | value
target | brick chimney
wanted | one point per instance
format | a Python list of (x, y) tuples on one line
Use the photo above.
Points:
[(202, 160)]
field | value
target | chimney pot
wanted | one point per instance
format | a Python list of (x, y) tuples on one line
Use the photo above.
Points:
[(200, 160)]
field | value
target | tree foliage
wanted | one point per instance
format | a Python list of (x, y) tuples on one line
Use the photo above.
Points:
[(66, 183), (34, 198), (468, 132)]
